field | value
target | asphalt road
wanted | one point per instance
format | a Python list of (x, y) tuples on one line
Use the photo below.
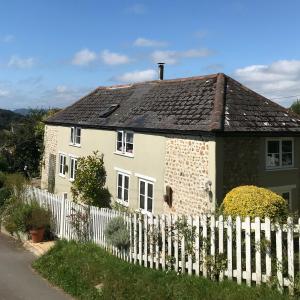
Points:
[(17, 279)]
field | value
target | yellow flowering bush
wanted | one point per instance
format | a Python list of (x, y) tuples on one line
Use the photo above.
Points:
[(254, 201)]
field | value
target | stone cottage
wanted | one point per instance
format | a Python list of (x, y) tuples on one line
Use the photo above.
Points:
[(176, 145)]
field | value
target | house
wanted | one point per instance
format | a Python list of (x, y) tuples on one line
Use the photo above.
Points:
[(177, 145)]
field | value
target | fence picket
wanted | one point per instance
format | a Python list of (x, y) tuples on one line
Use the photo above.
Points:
[(163, 236), (135, 253), (279, 256), (190, 256), (221, 242), (257, 251), (268, 249), (248, 251), (290, 250), (204, 245), (239, 273), (145, 240), (170, 242), (151, 241), (229, 248), (176, 246), (197, 246), (157, 235)]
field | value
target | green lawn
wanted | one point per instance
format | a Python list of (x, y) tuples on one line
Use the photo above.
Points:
[(77, 268)]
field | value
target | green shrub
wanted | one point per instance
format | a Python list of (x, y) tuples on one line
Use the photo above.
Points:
[(18, 216), (2, 179), (254, 201), (5, 193), (117, 234)]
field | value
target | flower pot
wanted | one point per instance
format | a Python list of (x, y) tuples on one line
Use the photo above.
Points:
[(37, 235)]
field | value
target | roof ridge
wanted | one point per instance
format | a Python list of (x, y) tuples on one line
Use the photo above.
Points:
[(181, 79), (216, 122)]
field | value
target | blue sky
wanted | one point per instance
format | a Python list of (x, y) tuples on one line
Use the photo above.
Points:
[(53, 52)]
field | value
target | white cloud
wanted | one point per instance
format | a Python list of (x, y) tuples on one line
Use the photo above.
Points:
[(137, 9), (168, 57), (173, 57), (142, 42), (7, 38), (61, 89), (84, 57), (3, 92), (111, 58), (21, 63), (137, 76), (278, 79), (192, 53)]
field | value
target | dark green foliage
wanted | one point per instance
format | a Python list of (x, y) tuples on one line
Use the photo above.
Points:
[(22, 142), (117, 233), (8, 117), (295, 107), (78, 268)]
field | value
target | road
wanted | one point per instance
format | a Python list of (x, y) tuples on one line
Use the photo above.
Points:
[(17, 279)]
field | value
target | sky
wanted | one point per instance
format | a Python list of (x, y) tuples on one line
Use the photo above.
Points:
[(54, 52)]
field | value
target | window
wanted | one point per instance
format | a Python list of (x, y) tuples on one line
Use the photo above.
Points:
[(73, 167), (123, 188), (125, 142), (65, 196), (62, 164), (279, 153), (146, 196), (75, 138), (284, 191)]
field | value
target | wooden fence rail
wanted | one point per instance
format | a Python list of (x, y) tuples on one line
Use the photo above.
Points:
[(251, 251)]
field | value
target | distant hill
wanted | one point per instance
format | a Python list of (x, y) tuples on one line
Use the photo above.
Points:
[(22, 111), (7, 117)]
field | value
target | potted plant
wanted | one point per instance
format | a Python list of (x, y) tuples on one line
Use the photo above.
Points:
[(38, 218)]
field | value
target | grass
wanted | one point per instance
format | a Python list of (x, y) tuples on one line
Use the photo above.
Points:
[(77, 268)]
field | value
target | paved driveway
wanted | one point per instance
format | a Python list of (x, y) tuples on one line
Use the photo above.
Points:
[(17, 279)]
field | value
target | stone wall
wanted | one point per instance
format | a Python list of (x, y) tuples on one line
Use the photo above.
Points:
[(241, 159), (187, 172), (50, 144)]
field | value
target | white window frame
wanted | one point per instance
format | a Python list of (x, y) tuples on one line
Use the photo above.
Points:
[(61, 167), (72, 159), (124, 144), (280, 140), (122, 201), (284, 189), (74, 136), (145, 209)]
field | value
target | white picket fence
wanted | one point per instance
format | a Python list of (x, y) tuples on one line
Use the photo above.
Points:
[(253, 252)]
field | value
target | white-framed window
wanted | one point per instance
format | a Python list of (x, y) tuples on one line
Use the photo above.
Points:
[(75, 136), (279, 153), (146, 189), (284, 191), (125, 142), (73, 168), (123, 188), (62, 164)]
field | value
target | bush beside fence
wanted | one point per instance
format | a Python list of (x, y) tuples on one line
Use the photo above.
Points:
[(253, 252)]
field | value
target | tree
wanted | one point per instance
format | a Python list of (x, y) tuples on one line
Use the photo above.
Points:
[(89, 184), (295, 107)]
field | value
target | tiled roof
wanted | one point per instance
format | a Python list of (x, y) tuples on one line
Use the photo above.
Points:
[(213, 103)]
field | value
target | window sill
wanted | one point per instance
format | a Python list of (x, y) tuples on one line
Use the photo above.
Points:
[(124, 154), (75, 145), (62, 176), (124, 203), (281, 169), (71, 180)]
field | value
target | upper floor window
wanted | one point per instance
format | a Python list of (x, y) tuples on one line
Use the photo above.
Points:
[(146, 195), (75, 138), (123, 188), (280, 153), (125, 142), (73, 167), (62, 164)]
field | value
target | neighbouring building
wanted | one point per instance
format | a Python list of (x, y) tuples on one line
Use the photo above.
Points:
[(177, 145)]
